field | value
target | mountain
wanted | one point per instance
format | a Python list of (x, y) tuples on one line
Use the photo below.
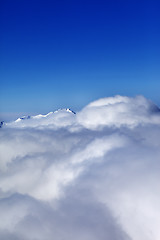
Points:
[(58, 118)]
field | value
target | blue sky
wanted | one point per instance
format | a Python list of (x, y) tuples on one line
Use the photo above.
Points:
[(57, 54)]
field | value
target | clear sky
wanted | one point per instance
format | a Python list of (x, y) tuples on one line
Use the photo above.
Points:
[(67, 53)]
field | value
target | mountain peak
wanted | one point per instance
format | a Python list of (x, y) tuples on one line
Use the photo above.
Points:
[(64, 110), (63, 115)]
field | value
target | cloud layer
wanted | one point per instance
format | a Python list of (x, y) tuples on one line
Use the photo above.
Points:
[(91, 175)]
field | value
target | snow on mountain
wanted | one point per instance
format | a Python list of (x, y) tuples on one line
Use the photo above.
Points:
[(59, 118)]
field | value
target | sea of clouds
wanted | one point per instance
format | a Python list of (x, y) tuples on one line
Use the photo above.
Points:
[(94, 175)]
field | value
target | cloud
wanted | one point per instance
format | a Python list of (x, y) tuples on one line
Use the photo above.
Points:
[(90, 175), (118, 111)]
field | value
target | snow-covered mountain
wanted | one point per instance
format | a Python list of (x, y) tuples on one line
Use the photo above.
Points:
[(60, 117)]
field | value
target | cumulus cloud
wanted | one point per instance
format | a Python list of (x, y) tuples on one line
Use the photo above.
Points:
[(118, 111), (91, 175)]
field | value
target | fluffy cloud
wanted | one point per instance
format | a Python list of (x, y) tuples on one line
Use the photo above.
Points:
[(91, 175)]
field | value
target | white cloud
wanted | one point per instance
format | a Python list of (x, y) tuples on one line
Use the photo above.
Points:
[(93, 175), (118, 111)]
